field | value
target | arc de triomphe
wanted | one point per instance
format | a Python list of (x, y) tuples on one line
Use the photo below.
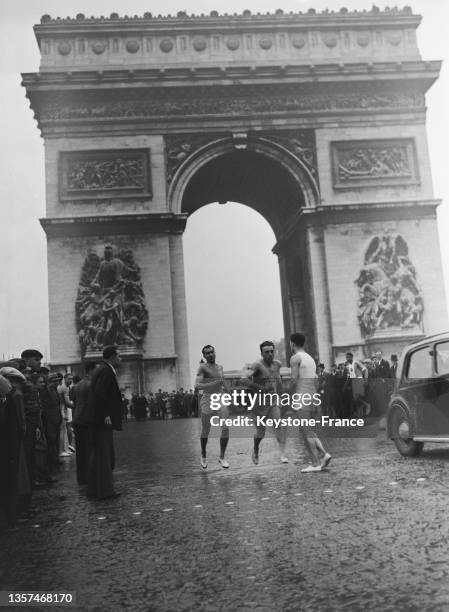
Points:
[(317, 121)]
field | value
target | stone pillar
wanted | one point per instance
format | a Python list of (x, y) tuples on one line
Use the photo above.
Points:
[(318, 291), (285, 301), (179, 311)]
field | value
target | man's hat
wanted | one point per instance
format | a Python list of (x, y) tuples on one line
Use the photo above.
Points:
[(31, 353), (8, 372)]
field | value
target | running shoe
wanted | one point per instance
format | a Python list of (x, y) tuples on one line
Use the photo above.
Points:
[(203, 463), (64, 454), (223, 462), (326, 460), (284, 459), (311, 468), (255, 457), (72, 449)]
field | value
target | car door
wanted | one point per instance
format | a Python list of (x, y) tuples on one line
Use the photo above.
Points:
[(438, 416), (419, 391)]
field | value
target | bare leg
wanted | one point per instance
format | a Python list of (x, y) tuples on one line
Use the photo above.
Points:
[(224, 441), (310, 438)]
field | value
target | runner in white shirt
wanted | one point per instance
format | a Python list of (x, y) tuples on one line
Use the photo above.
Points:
[(303, 380), (357, 374)]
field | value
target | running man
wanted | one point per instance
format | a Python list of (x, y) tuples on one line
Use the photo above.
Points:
[(264, 378), (303, 380), (209, 380), (356, 384)]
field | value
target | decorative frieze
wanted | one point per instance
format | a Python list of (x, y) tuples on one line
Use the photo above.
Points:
[(376, 163), (220, 100), (104, 174), (178, 148)]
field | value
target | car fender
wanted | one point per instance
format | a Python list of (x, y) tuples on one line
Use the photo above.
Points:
[(397, 400)]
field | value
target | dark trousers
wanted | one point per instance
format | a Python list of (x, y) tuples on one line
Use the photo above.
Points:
[(52, 435), (29, 444), (82, 453), (100, 482)]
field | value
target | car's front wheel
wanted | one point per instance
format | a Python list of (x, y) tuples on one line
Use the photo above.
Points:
[(401, 428)]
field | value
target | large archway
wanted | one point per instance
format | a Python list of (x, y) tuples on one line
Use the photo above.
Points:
[(267, 178)]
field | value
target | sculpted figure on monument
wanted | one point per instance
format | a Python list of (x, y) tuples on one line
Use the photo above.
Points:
[(389, 296), (109, 174), (110, 307), (373, 161)]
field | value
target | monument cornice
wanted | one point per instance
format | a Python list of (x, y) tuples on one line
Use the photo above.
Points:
[(104, 225), (368, 212), (311, 16), (424, 71)]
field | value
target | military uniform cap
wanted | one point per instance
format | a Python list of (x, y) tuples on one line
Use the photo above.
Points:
[(31, 353)]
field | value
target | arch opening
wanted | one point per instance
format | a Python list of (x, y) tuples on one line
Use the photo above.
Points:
[(248, 177), (233, 293)]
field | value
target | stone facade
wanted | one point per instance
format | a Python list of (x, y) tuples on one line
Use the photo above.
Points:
[(323, 114)]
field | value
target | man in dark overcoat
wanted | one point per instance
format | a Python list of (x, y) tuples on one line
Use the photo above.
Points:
[(104, 414)]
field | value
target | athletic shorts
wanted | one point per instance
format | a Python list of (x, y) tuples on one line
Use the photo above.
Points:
[(206, 410)]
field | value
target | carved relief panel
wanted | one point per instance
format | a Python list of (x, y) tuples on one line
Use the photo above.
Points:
[(104, 174), (110, 306), (389, 295), (374, 163)]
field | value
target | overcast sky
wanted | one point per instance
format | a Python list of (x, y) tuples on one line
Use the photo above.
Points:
[(232, 238)]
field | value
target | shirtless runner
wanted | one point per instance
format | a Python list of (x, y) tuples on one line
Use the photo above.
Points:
[(264, 378), (209, 380)]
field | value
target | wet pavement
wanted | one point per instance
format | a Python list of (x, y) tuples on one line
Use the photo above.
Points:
[(370, 533)]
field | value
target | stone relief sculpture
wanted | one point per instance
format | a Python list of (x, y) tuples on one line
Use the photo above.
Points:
[(107, 174), (186, 103), (389, 296), (110, 307), (368, 162)]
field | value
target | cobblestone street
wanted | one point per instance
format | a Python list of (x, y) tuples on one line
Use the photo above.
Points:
[(370, 533)]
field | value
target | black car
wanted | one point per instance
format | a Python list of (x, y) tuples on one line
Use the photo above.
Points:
[(418, 410)]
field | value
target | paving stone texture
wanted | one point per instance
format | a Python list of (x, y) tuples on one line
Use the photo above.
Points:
[(370, 533)]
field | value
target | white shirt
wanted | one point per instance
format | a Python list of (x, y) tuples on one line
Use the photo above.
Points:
[(306, 382)]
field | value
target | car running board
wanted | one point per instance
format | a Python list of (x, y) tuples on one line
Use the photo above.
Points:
[(429, 439)]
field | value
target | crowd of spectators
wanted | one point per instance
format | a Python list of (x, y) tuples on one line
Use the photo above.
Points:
[(42, 423), (359, 388), (162, 405)]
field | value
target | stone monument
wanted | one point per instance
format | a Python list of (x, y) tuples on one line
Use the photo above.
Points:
[(315, 120)]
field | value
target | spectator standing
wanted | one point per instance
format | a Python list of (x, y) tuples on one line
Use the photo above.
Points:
[(81, 423), (51, 420), (31, 363), (105, 411)]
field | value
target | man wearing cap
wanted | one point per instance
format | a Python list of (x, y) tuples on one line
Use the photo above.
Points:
[(104, 413), (32, 359)]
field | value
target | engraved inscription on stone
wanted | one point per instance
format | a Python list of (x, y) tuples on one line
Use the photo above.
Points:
[(374, 162), (389, 296), (85, 174)]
